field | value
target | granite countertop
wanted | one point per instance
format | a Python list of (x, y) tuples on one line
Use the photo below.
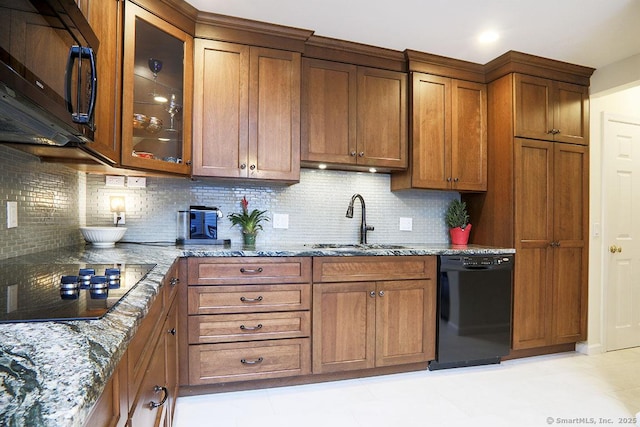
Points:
[(51, 373)]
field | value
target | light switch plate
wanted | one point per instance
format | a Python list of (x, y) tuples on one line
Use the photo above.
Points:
[(406, 224), (136, 182), (280, 220), (12, 214)]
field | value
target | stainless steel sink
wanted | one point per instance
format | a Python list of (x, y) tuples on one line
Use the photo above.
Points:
[(347, 246)]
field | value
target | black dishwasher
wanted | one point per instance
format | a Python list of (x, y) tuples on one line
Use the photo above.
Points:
[(474, 310)]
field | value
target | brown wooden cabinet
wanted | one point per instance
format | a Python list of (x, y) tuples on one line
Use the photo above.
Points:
[(111, 409), (246, 112), (353, 115), (247, 319), (364, 324), (106, 18), (537, 202), (142, 390), (157, 93), (551, 110), (551, 218), (448, 135)]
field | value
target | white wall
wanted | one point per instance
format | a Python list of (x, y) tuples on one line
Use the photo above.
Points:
[(614, 89)]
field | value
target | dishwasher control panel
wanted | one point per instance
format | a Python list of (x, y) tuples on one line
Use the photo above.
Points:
[(485, 261)]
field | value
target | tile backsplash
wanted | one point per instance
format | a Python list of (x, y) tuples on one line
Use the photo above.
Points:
[(49, 198), (316, 208), (54, 201)]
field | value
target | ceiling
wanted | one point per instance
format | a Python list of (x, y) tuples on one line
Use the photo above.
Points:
[(593, 33)]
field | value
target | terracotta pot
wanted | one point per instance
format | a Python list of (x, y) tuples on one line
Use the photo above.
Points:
[(460, 236)]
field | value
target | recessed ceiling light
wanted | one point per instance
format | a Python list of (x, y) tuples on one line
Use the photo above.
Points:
[(488, 36)]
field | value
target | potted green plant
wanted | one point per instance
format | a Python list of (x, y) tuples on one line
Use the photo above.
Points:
[(457, 219), (250, 222)]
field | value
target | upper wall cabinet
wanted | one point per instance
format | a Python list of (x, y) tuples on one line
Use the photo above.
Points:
[(353, 116), (551, 110), (246, 112), (448, 127), (105, 18), (157, 94)]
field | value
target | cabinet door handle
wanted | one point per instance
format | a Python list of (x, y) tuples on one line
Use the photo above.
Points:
[(157, 389), (251, 328), (456, 179), (372, 294), (243, 166), (381, 293), (243, 299), (613, 249), (251, 270), (361, 154), (448, 179), (251, 362), (174, 281), (252, 167), (172, 331), (353, 153)]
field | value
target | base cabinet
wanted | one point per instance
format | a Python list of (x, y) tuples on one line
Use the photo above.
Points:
[(247, 319), (142, 390), (367, 324)]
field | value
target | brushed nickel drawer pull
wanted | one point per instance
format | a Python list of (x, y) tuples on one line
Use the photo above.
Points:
[(243, 299), (251, 328), (251, 362), (251, 270)]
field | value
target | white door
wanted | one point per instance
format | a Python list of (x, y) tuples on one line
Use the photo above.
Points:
[(621, 219)]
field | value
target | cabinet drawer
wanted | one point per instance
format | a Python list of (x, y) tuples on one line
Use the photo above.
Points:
[(225, 271), (249, 298), (215, 363), (366, 268), (248, 327), (171, 281)]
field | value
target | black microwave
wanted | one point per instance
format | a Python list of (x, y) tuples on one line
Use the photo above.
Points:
[(48, 81)]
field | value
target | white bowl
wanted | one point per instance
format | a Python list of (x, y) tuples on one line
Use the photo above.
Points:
[(103, 237)]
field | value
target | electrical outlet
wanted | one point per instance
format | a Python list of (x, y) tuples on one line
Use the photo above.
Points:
[(12, 214), (406, 224), (114, 181), (136, 182), (280, 220), (12, 298)]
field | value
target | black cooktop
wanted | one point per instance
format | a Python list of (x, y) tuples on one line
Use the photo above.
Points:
[(35, 292)]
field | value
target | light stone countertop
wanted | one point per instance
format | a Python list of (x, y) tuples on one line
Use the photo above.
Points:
[(51, 373)]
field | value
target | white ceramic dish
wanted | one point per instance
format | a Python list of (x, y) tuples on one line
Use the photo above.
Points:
[(103, 237)]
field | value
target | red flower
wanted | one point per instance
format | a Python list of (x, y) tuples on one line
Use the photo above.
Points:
[(244, 203)]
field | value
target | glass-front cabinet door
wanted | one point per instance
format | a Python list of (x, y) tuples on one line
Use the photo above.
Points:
[(157, 94)]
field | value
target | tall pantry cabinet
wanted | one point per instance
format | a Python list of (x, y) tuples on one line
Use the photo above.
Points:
[(537, 195)]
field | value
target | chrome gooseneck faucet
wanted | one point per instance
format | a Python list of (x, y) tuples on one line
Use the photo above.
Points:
[(363, 222)]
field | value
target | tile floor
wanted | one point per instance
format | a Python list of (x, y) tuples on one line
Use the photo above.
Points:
[(567, 389)]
